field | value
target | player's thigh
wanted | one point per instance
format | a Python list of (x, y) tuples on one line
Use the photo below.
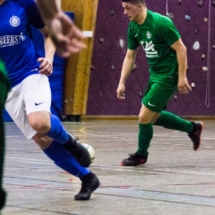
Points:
[(157, 96), (16, 109), (37, 95)]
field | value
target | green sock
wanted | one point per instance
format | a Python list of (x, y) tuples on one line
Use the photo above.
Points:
[(171, 121), (144, 138)]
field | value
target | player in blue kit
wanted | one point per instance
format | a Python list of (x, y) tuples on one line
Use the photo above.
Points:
[(29, 101)]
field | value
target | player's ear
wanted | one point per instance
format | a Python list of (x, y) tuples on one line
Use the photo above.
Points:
[(140, 7)]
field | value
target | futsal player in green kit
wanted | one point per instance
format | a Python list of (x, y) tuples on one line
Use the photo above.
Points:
[(4, 88), (167, 58)]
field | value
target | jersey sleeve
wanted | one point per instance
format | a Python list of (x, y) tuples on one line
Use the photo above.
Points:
[(167, 30), (34, 14), (132, 41)]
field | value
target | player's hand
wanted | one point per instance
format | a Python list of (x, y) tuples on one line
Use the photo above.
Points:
[(65, 35), (46, 67), (121, 91), (183, 86)]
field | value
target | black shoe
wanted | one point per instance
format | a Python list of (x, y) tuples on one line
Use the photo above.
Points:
[(78, 151), (90, 183), (195, 135), (134, 160)]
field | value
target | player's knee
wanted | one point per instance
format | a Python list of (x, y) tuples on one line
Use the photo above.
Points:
[(40, 125), (143, 119)]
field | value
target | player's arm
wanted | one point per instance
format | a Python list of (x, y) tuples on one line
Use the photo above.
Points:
[(181, 52), (46, 62), (64, 33), (49, 9), (127, 67)]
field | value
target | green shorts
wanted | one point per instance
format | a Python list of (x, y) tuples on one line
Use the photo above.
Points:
[(157, 95)]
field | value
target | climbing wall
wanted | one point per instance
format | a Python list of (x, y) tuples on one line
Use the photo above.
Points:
[(193, 20)]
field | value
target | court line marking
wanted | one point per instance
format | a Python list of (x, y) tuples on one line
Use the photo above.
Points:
[(126, 169), (163, 170)]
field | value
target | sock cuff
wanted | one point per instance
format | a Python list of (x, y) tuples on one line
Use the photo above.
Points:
[(144, 126), (87, 177)]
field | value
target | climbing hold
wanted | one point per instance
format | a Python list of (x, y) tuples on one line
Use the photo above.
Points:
[(205, 19), (213, 3), (121, 43), (179, 2), (200, 3), (170, 15), (205, 69), (196, 31), (101, 40), (196, 46), (141, 94), (203, 56), (175, 97), (193, 85), (213, 46), (187, 17), (134, 67)]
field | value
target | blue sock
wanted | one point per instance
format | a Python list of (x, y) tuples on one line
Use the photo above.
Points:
[(57, 131), (64, 160)]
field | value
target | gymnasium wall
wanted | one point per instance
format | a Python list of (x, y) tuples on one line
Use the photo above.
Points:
[(110, 48)]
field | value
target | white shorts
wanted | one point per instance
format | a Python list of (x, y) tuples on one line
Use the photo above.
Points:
[(31, 95)]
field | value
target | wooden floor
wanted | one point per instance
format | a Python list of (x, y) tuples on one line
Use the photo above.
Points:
[(175, 181)]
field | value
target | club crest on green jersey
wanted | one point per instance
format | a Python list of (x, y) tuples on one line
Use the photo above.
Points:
[(148, 34)]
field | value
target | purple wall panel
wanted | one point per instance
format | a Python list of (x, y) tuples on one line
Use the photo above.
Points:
[(108, 55)]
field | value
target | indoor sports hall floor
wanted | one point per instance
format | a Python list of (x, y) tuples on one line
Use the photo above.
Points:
[(175, 181)]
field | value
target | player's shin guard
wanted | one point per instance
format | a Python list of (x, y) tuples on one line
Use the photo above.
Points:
[(144, 138), (57, 131), (172, 121), (65, 160), (68, 141)]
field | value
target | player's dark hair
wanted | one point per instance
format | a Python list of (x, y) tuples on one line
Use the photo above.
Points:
[(135, 1)]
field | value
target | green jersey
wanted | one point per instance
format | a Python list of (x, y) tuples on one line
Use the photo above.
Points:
[(156, 35)]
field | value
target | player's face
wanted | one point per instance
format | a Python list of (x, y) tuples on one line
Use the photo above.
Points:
[(132, 11)]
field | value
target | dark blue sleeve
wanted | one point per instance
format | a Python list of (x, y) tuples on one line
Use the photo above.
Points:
[(33, 13)]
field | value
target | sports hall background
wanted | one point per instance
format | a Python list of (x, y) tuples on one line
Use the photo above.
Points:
[(110, 48)]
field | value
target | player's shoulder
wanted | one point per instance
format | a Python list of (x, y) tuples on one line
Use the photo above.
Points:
[(159, 17), (132, 25), (24, 3)]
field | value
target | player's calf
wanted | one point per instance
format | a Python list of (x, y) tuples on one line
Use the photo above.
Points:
[(78, 151)]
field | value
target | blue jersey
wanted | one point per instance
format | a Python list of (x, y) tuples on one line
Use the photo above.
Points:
[(17, 49)]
